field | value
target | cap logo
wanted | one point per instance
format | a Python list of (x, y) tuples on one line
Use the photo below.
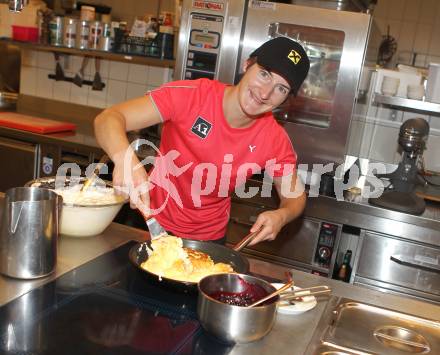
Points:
[(294, 56)]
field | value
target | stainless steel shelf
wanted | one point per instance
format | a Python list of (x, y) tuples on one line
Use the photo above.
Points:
[(419, 105), (119, 57)]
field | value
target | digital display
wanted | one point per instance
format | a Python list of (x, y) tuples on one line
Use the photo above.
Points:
[(204, 38)]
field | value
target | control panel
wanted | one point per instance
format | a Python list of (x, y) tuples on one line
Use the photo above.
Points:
[(204, 46), (326, 242)]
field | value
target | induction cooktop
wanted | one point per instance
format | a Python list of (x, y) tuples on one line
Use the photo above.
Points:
[(105, 306)]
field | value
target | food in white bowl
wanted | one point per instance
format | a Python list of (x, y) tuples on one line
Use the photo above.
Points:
[(85, 213)]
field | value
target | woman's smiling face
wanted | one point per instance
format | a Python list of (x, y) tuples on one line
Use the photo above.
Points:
[(261, 91)]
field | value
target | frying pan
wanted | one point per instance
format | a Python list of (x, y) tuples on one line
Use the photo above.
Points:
[(218, 253)]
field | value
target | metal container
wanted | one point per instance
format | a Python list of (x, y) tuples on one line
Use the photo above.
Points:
[(56, 31), (29, 232), (95, 34), (83, 33), (234, 323), (70, 29)]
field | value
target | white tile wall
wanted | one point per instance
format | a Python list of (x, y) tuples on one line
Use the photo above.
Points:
[(415, 24), (122, 80)]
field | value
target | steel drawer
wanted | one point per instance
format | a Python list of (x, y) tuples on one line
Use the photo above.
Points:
[(400, 263)]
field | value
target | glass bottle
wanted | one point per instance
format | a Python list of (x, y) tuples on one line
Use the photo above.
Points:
[(344, 271)]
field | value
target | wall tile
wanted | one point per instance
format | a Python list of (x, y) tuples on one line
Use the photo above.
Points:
[(384, 143), (29, 58), (138, 74), (381, 9), (406, 38), (428, 11), (45, 60), (396, 9), (434, 47), (118, 71), (104, 68), (61, 90), (434, 122), (44, 84), (135, 90), (97, 98), (431, 155), (423, 38), (28, 80), (78, 95), (412, 10), (157, 75), (117, 91)]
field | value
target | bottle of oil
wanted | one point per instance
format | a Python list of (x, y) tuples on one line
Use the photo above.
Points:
[(344, 271)]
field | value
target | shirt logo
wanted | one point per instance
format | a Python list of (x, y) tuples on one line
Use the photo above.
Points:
[(294, 56), (252, 147), (201, 127)]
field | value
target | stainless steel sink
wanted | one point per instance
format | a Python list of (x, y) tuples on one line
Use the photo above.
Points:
[(350, 327)]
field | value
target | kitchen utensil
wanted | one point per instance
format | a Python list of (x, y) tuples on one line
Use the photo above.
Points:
[(59, 72), (91, 180), (219, 253), (273, 294), (155, 229), (387, 48), (306, 303), (97, 81), (34, 124), (29, 232), (310, 291), (232, 323), (79, 77)]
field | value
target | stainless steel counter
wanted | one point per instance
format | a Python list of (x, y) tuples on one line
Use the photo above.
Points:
[(290, 335)]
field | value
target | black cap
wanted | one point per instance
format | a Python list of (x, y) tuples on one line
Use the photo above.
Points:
[(285, 57)]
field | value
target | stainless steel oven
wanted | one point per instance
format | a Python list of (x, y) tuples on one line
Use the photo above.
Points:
[(307, 244), (216, 37)]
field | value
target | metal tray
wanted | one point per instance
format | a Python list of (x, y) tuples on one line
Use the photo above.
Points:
[(359, 328)]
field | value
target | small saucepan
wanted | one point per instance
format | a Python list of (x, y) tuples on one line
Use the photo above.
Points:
[(222, 313)]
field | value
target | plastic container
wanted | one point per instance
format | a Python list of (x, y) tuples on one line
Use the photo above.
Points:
[(433, 83), (26, 34), (87, 13)]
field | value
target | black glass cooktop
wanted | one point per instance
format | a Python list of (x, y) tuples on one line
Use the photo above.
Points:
[(105, 306)]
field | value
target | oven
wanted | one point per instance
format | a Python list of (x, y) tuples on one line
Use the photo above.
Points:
[(306, 244), (216, 37)]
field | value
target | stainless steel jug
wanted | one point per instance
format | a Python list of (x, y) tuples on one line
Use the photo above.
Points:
[(29, 232)]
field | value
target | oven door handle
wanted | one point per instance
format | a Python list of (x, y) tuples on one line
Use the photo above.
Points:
[(415, 264)]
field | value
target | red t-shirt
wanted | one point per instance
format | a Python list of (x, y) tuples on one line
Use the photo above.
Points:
[(204, 158)]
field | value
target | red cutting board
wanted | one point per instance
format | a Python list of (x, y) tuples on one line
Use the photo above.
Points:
[(34, 124)]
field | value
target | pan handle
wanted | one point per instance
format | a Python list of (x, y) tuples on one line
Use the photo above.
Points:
[(245, 241)]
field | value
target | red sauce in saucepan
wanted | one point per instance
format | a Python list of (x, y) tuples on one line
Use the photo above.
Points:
[(250, 294)]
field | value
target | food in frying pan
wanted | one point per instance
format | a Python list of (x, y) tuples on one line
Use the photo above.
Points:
[(168, 258)]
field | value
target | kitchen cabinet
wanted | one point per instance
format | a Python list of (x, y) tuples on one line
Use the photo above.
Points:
[(19, 161)]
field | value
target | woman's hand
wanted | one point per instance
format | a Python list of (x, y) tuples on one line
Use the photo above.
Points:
[(270, 223)]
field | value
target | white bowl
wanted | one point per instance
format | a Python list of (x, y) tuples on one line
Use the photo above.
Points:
[(83, 219)]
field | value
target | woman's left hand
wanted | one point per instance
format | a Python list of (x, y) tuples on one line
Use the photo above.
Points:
[(270, 223)]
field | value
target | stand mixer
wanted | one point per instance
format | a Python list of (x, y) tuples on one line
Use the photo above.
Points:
[(400, 195)]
